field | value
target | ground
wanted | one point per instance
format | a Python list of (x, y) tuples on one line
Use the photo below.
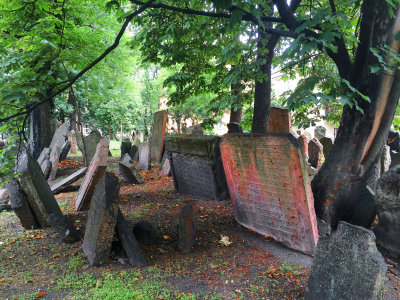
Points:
[(35, 264)]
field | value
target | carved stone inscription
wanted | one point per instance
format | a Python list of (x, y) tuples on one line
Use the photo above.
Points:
[(270, 189), (193, 175)]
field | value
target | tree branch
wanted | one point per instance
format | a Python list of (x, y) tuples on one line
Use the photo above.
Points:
[(128, 19)]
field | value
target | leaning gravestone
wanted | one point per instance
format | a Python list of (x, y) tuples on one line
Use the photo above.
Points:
[(319, 132), (91, 141), (20, 205), (128, 170), (102, 219), (95, 171), (279, 120), (65, 150), (54, 160), (144, 156), (347, 265), (59, 137), (129, 242), (394, 158), (304, 145), (270, 187), (132, 151), (44, 155), (315, 153), (196, 166), (385, 159), (125, 147), (387, 200), (327, 145), (157, 140), (186, 230), (165, 168), (62, 184)]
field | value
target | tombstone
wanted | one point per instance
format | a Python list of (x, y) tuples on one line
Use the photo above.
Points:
[(91, 141), (327, 145), (132, 151), (157, 141), (388, 208), (44, 155), (46, 168), (125, 147), (347, 265), (394, 140), (65, 150), (54, 160), (144, 156), (196, 166), (279, 120), (128, 170), (385, 159), (72, 139), (165, 168), (315, 153), (136, 142), (304, 145), (319, 132), (59, 137), (145, 233), (186, 230), (95, 171), (234, 128), (65, 228), (102, 219), (20, 205), (394, 158), (195, 130), (270, 187), (128, 240), (62, 184)]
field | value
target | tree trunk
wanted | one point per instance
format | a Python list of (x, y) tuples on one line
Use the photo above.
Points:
[(236, 115), (72, 115), (339, 187), (40, 128), (121, 127), (109, 131)]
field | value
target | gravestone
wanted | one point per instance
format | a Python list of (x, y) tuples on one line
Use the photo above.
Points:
[(132, 151), (54, 160), (234, 127), (319, 132), (165, 168), (44, 155), (394, 140), (385, 159), (102, 219), (157, 141), (304, 145), (65, 150), (125, 147), (72, 139), (196, 166), (270, 187), (387, 201), (64, 227), (59, 137), (279, 120), (315, 153), (95, 171), (20, 205), (195, 130), (186, 230), (91, 141), (347, 265), (144, 156), (128, 170), (129, 242), (62, 184), (394, 158), (327, 145)]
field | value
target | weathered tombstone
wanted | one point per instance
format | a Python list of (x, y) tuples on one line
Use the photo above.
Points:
[(186, 230), (196, 166), (136, 142), (64, 227), (54, 160), (385, 159), (157, 141), (95, 171), (315, 153), (46, 168), (20, 205), (65, 150), (144, 156), (62, 184), (394, 158), (319, 132), (279, 120), (128, 240), (91, 141), (128, 170), (44, 155), (347, 265), (165, 168), (388, 208), (234, 128), (195, 130), (72, 139), (327, 145), (102, 219), (132, 151), (304, 145), (394, 140), (125, 147), (270, 187), (59, 137)]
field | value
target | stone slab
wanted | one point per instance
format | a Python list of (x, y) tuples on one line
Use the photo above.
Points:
[(54, 160), (315, 153), (102, 219), (279, 120), (327, 145), (64, 227), (144, 156), (186, 229), (157, 141), (62, 184), (125, 147), (270, 188), (91, 141), (95, 171), (128, 170), (65, 150), (304, 145), (129, 242), (165, 168), (347, 265), (44, 155), (59, 137)]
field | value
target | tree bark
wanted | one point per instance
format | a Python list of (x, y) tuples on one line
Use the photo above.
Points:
[(72, 115)]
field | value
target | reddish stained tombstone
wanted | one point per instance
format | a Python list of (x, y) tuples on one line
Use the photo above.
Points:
[(157, 140), (304, 145), (270, 188), (279, 120), (315, 153), (96, 169)]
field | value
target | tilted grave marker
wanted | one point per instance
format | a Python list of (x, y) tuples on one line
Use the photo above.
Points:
[(279, 120), (128, 170), (315, 153), (186, 230), (270, 188), (144, 156), (157, 140), (62, 184)]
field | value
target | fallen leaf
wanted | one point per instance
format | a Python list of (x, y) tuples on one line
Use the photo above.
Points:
[(41, 294), (166, 237), (224, 240)]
